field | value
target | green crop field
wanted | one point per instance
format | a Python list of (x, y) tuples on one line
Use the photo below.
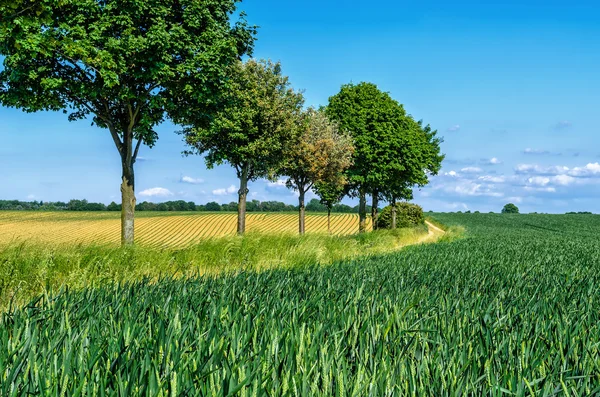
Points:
[(510, 308)]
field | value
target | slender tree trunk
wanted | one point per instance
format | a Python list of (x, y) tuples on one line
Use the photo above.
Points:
[(375, 210), (127, 203), (394, 210), (242, 194), (301, 210), (362, 211), (329, 220)]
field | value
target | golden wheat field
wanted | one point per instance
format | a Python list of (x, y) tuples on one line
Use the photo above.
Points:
[(155, 228)]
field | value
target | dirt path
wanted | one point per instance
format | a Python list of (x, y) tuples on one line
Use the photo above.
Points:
[(433, 233)]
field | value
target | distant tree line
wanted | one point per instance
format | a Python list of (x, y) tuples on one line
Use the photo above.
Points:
[(313, 205)]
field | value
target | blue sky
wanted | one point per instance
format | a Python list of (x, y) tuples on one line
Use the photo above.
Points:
[(513, 87)]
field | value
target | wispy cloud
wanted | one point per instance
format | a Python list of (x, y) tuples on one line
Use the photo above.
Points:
[(563, 125), (471, 170), (539, 152), (156, 192), (492, 161), (225, 191), (190, 180), (454, 128)]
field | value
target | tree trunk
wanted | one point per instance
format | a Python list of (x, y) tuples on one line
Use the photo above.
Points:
[(242, 194), (329, 220), (301, 210), (362, 211), (375, 210), (127, 203), (394, 210)]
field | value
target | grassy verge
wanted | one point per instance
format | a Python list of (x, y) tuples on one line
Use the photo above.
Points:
[(27, 270)]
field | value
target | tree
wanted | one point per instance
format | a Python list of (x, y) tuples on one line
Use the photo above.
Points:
[(370, 115), (212, 206), (125, 64), (510, 208), (321, 153), (330, 193), (392, 149), (252, 130)]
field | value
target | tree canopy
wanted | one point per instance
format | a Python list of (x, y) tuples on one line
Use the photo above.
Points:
[(393, 151), (320, 154), (125, 64), (250, 132), (510, 208)]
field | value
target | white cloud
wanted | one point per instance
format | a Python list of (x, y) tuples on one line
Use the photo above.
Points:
[(534, 169), (451, 173), (564, 180), (535, 151), (156, 192), (492, 179), (31, 197), (454, 128), (190, 180), (492, 161), (224, 192), (592, 169), (277, 183), (540, 189), (471, 170)]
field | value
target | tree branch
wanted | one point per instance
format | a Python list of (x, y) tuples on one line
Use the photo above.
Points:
[(137, 149)]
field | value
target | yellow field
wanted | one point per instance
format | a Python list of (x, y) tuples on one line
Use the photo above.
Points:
[(155, 228)]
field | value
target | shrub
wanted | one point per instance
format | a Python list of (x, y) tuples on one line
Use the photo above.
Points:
[(407, 215)]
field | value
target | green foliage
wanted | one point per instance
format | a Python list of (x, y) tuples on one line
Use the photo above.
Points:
[(121, 63), (510, 309), (125, 64), (407, 215), (212, 206), (113, 207), (392, 151), (251, 131), (330, 193), (320, 154), (510, 209)]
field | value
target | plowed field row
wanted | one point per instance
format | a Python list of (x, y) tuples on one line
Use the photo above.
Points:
[(160, 230)]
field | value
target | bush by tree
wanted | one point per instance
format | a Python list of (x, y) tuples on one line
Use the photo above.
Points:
[(510, 209), (408, 215)]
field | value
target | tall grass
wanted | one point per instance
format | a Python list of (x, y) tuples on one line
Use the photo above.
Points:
[(27, 270)]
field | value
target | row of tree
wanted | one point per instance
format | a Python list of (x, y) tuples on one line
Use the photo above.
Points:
[(313, 205), (131, 65)]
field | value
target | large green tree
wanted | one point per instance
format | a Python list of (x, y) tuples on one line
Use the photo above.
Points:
[(251, 132), (391, 148), (321, 153), (371, 116), (122, 63)]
